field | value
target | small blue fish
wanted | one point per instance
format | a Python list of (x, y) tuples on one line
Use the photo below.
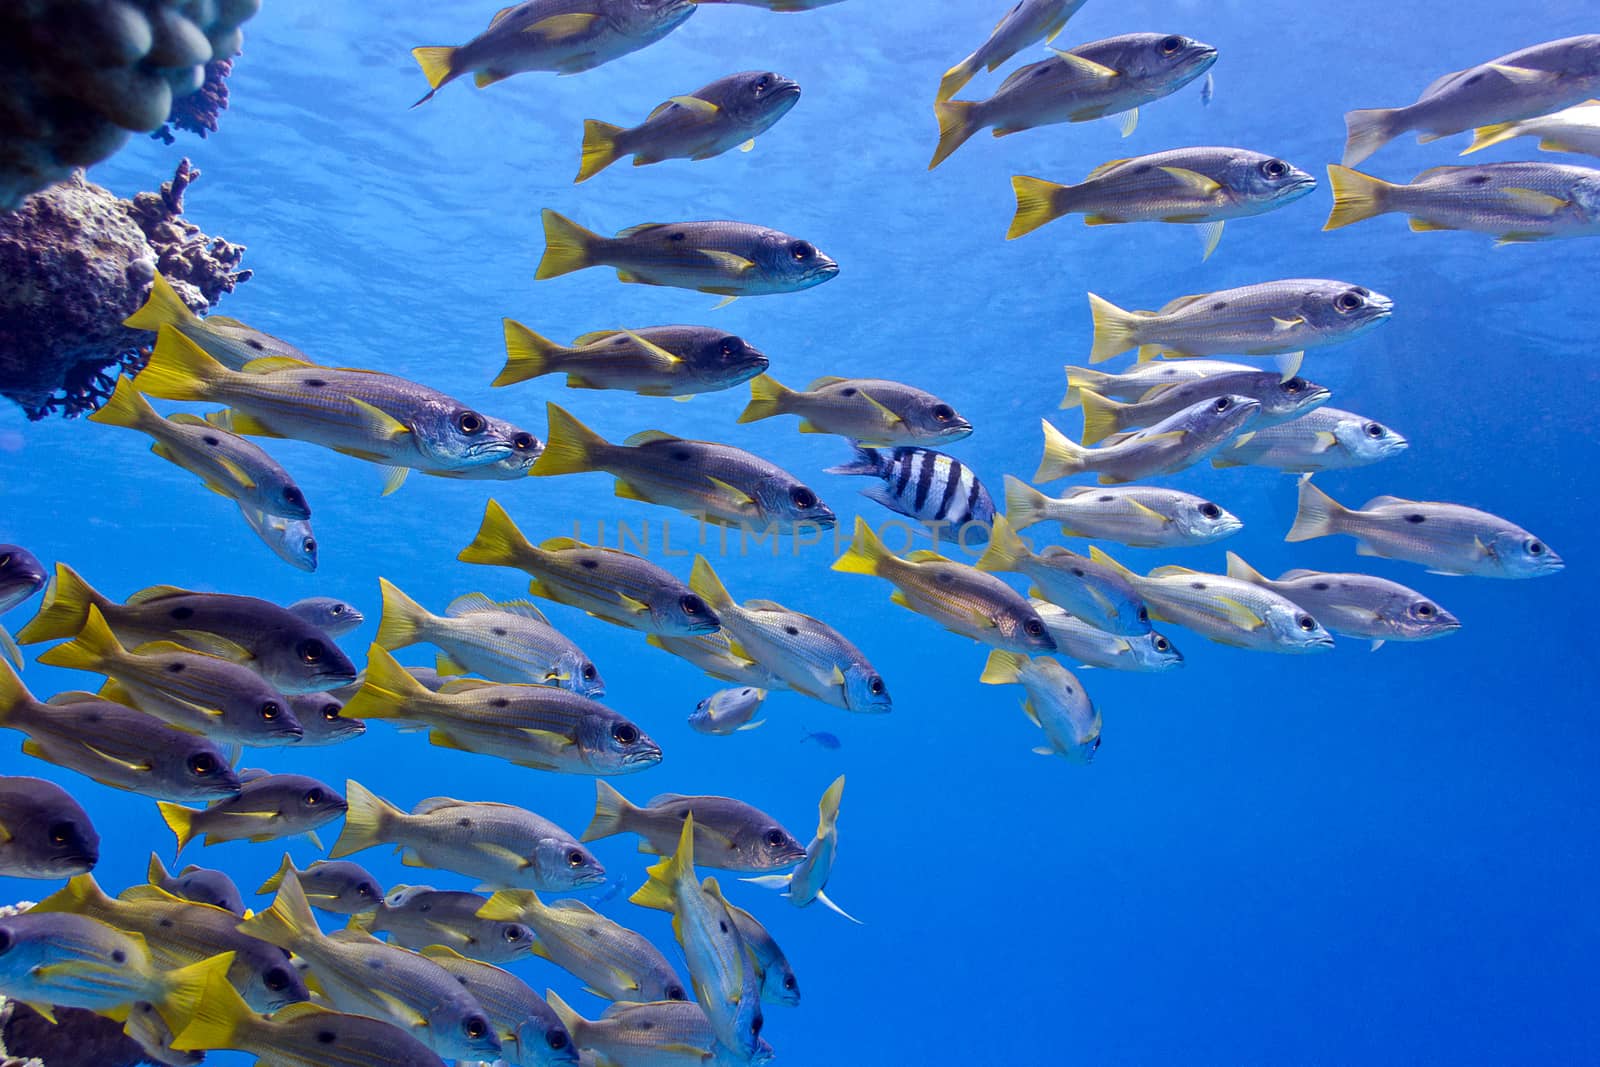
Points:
[(823, 738), (1208, 89)]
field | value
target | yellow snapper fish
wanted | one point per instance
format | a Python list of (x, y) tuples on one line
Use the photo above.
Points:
[(789, 6), (357, 973), (667, 1033), (805, 885), (1029, 22), (869, 411), (1515, 202), (1357, 605), (809, 655), (607, 583), (1142, 379), (366, 414), (1226, 610), (675, 361), (1575, 129), (778, 982), (731, 259), (1175, 443), (730, 835), (564, 36), (1196, 186), (1323, 440), (728, 711), (725, 980), (612, 961), (531, 1034), (960, 598), (416, 916), (1140, 516), (713, 653), (1281, 399), (1445, 538), (1520, 85), (337, 886), (44, 833), (1092, 592), (535, 726), (730, 112), (726, 485), (291, 540), (1090, 646), (228, 341), (199, 884), (1056, 703), (269, 806)]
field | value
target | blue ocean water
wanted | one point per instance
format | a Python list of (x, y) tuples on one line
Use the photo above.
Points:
[(1354, 857)]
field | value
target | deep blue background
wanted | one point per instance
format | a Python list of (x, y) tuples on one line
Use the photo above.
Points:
[(1356, 857)]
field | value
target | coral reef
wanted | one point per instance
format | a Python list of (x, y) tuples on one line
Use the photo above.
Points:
[(77, 261), (79, 1039), (200, 111), (76, 76)]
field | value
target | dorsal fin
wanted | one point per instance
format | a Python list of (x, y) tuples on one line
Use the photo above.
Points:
[(156, 592), (647, 437)]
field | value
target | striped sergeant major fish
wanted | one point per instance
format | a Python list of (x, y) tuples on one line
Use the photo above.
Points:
[(926, 485)]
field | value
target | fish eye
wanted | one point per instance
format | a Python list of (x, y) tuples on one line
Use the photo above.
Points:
[(1210, 510), (1306, 623), (475, 1026), (330, 712), (1033, 627), (1144, 614), (1424, 610), (1293, 385), (692, 605), (512, 933), (944, 412), (271, 710), (803, 498), (576, 858), (1536, 548), (1275, 168), (1348, 300), (5, 561), (1221, 404), (62, 832), (312, 798), (756, 1024), (875, 687), (276, 979), (589, 673), (789, 983), (731, 346), (676, 992), (1161, 644), (336, 610), (470, 423), (202, 763), (556, 1039), (6, 940), (311, 650), (523, 441), (309, 546), (777, 838), (365, 890), (294, 496), (802, 251), (625, 733), (1171, 46), (762, 83), (1373, 429)]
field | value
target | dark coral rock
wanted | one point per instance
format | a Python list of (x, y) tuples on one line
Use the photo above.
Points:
[(80, 1038), (201, 110), (77, 261)]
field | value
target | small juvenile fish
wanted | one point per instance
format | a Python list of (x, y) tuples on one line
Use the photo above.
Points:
[(1357, 605), (607, 583), (269, 806), (528, 725), (1226, 610), (321, 716), (1109, 78), (331, 615), (1575, 129), (1199, 186), (729, 113), (928, 486), (198, 884), (678, 361), (1090, 646), (1445, 538), (823, 739), (291, 540), (806, 884), (870, 411), (730, 835), (337, 886), (224, 700), (713, 653), (531, 1033), (732, 259), (1208, 90), (728, 711), (1269, 318), (611, 960), (809, 655), (228, 341), (1520, 85), (726, 485), (1515, 202), (660, 1034), (564, 36), (1140, 516), (1142, 379), (1324, 440), (1097, 594), (416, 916), (115, 745), (1029, 22), (1175, 443), (44, 833), (1056, 703), (509, 847), (778, 982), (960, 598), (1281, 399), (510, 642), (358, 973), (290, 653)]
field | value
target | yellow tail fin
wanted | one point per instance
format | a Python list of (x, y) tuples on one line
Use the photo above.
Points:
[(660, 891), (289, 922), (1036, 204), (1115, 331), (527, 355), (94, 647), (1025, 505), (1366, 132), (567, 246), (1063, 457), (179, 369), (1487, 136), (499, 543), (127, 407), (510, 905), (13, 694), (366, 821), (187, 988), (956, 126), (704, 580), (285, 868), (611, 808), (180, 820), (65, 609), (1356, 196), (768, 397), (1101, 417), (388, 689), (865, 553), (163, 307), (599, 149), (956, 78), (1318, 515), (1077, 379), (218, 1020), (570, 448), (1005, 551), (437, 63), (828, 806), (404, 621), (1003, 668)]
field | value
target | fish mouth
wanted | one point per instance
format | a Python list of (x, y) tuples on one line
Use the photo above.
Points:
[(643, 754), (589, 879), (1296, 187)]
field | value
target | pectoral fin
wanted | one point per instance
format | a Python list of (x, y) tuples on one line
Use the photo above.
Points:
[(695, 104), (1535, 202), (561, 27), (378, 422)]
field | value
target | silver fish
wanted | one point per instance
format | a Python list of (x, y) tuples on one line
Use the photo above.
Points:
[(653, 361), (290, 539), (928, 486), (331, 615), (1141, 516), (1056, 703), (44, 833), (668, 1033), (199, 884), (228, 341), (268, 807), (531, 1034), (869, 411), (730, 112), (730, 835), (416, 916), (1357, 605), (1029, 22), (714, 654), (728, 711), (1173, 444), (1090, 646), (1515, 202), (1575, 129), (1281, 399), (806, 885), (778, 982), (1142, 379), (1324, 440), (1092, 592), (1445, 538), (337, 886)]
